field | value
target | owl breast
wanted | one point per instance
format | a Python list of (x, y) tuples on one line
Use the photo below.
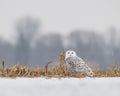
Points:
[(70, 64)]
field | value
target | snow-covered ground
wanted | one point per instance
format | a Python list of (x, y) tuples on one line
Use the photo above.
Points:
[(60, 87)]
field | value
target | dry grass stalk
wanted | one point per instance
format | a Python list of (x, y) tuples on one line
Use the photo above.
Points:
[(3, 66)]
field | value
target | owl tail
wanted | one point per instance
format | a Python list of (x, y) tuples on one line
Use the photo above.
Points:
[(89, 72)]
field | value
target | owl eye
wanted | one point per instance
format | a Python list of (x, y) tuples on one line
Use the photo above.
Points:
[(72, 53), (68, 52)]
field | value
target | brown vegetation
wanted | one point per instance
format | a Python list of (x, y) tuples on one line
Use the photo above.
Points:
[(57, 71)]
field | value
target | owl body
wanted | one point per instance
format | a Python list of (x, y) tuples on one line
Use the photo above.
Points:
[(75, 64)]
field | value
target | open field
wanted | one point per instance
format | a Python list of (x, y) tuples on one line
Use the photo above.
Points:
[(60, 87), (56, 71), (56, 81)]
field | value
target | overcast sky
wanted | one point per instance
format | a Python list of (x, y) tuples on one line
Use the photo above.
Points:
[(61, 15)]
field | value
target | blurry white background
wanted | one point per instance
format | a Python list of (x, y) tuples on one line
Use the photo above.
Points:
[(61, 16)]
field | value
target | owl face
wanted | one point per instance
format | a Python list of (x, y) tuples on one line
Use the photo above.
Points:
[(70, 53)]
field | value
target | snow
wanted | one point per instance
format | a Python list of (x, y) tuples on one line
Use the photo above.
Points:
[(60, 87)]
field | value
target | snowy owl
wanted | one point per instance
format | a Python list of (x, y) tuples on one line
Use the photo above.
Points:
[(75, 64)]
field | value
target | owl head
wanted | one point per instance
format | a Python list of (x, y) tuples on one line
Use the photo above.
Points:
[(70, 53)]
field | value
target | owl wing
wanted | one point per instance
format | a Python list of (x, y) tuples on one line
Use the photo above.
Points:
[(81, 66), (76, 64), (70, 64)]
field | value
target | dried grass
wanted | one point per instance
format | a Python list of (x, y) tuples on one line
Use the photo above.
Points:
[(58, 71)]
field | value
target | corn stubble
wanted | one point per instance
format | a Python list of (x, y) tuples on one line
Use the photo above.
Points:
[(57, 71)]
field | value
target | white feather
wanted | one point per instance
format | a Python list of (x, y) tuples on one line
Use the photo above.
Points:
[(75, 64)]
